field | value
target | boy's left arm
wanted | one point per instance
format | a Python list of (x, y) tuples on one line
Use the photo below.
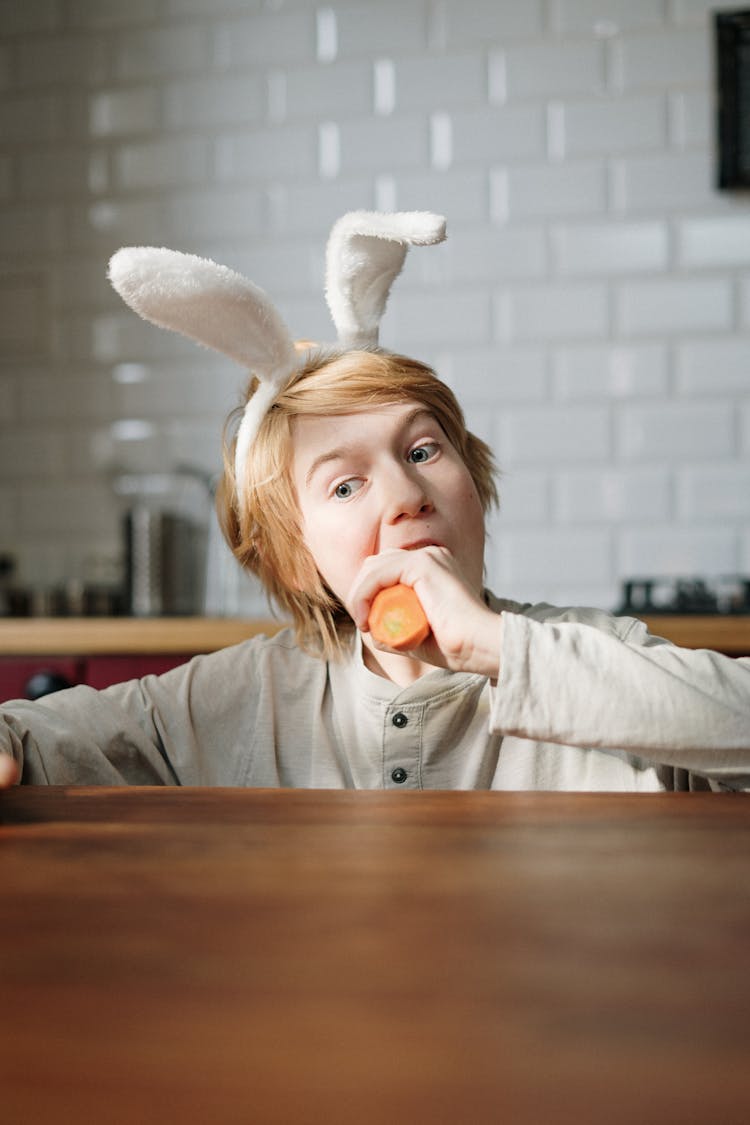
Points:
[(610, 684)]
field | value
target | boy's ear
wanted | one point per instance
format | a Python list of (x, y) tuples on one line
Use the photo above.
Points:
[(306, 576), (303, 574)]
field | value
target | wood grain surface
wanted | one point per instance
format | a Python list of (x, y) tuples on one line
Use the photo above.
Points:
[(90, 636), (235, 956)]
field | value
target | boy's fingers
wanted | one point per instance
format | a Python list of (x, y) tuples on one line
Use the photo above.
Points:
[(9, 772), (387, 569)]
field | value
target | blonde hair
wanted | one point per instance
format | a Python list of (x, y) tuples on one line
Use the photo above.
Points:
[(266, 535)]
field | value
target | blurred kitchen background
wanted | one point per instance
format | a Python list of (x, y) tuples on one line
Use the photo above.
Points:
[(591, 305)]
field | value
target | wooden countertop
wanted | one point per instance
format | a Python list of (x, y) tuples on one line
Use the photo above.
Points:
[(91, 636), (296, 956), (53, 636), (729, 634)]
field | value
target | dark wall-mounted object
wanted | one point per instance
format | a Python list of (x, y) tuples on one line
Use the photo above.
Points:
[(733, 98)]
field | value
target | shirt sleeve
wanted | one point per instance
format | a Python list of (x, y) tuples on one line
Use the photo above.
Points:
[(186, 727), (618, 687), (84, 737)]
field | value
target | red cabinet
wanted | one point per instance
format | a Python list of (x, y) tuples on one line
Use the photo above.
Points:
[(101, 671), (30, 676), (16, 673)]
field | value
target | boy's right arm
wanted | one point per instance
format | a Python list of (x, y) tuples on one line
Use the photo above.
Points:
[(188, 726), (80, 736)]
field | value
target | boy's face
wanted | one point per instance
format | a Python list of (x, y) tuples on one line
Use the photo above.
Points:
[(381, 478)]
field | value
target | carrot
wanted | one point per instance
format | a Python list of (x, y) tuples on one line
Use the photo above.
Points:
[(397, 619)]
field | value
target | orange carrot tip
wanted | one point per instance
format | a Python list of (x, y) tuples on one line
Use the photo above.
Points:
[(397, 618)]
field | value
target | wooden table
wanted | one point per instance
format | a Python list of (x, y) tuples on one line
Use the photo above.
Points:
[(331, 958)]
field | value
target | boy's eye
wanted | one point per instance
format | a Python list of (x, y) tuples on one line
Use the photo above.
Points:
[(424, 452), (346, 489)]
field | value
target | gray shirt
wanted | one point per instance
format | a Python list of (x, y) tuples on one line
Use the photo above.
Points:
[(585, 701)]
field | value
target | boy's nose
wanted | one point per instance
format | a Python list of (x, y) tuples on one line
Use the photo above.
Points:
[(406, 497)]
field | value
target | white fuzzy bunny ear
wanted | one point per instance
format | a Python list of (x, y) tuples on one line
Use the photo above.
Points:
[(216, 307), (365, 253), (207, 302)]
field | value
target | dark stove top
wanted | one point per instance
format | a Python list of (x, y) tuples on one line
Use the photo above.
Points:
[(730, 595)]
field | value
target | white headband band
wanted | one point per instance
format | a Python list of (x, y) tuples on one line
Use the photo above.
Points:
[(224, 311)]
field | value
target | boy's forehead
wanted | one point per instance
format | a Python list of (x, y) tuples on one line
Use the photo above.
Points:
[(308, 429), (322, 437)]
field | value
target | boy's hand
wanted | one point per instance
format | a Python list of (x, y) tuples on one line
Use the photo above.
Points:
[(465, 633), (9, 772)]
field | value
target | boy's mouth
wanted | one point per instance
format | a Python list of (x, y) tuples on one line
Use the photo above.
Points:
[(419, 543)]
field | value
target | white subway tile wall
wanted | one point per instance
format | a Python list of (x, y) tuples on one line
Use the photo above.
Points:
[(591, 307)]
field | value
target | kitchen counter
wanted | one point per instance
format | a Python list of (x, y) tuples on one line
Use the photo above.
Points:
[(40, 636), (729, 634), (92, 636)]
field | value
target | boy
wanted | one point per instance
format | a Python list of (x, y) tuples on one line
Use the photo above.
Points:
[(352, 470)]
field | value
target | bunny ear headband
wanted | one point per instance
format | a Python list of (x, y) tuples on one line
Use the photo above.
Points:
[(223, 310)]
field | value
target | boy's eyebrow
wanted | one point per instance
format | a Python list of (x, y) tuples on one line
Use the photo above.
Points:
[(342, 451), (332, 455)]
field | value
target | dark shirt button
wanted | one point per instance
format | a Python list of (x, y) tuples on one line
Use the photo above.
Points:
[(399, 719), (399, 776)]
